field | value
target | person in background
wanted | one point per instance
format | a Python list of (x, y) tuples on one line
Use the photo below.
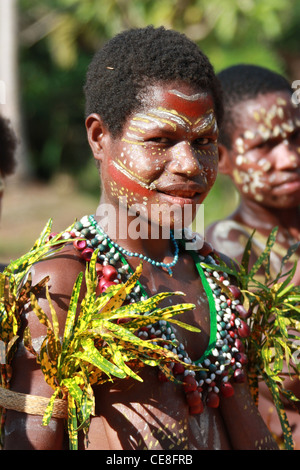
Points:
[(259, 149)]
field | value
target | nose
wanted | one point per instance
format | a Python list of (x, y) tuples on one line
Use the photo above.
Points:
[(287, 157), (185, 160)]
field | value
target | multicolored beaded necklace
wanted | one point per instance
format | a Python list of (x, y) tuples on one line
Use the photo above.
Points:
[(224, 357)]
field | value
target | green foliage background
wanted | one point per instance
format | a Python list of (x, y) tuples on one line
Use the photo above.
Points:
[(59, 37)]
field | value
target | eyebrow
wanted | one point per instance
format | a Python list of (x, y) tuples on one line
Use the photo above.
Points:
[(161, 117), (206, 122)]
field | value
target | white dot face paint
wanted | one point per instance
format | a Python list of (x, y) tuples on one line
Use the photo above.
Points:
[(265, 157), (167, 153)]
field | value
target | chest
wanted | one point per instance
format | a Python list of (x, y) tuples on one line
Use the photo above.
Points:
[(187, 287)]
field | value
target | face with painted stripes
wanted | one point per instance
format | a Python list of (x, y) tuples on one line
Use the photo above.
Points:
[(167, 153), (264, 162)]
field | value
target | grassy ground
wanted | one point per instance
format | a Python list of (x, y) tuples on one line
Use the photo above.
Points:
[(26, 207)]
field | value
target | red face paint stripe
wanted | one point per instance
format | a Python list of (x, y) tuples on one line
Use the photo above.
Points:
[(122, 180)]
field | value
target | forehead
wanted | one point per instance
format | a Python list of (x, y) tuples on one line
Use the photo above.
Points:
[(182, 98), (265, 110)]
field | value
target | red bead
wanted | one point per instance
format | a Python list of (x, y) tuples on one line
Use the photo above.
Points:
[(242, 358), (197, 409), (239, 345), (99, 269), (243, 313), (102, 281), (239, 376), (190, 384), (243, 330), (106, 285), (73, 234), (193, 398), (227, 389), (235, 291), (87, 253), (178, 369), (228, 302), (79, 244), (51, 235), (213, 400), (109, 272)]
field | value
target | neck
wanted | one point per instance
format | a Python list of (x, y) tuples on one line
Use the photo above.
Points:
[(134, 233)]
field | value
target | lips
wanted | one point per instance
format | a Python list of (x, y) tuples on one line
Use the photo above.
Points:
[(285, 178), (286, 183), (182, 190), (183, 194)]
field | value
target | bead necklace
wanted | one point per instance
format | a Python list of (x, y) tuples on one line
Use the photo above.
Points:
[(130, 254), (224, 357)]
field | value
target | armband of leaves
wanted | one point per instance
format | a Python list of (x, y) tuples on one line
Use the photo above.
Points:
[(15, 291)]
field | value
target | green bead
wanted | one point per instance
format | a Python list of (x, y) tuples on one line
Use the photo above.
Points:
[(94, 242), (78, 226)]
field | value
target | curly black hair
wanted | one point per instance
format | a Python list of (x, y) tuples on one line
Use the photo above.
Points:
[(134, 59), (243, 82), (8, 144)]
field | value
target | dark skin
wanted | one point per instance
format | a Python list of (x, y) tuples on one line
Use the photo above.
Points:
[(273, 199), (266, 172), (152, 414)]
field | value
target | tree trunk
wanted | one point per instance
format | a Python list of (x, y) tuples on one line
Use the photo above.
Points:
[(9, 79)]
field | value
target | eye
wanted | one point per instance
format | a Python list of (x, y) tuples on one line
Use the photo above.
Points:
[(160, 140), (202, 141), (267, 145)]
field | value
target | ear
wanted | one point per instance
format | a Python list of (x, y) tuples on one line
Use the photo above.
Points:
[(225, 165), (96, 131)]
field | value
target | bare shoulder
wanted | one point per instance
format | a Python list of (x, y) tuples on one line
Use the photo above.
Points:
[(61, 270)]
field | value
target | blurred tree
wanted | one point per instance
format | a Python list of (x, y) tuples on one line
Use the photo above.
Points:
[(58, 38), (9, 99)]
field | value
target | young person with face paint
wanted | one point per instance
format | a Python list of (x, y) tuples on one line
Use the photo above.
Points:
[(259, 146), (153, 105)]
